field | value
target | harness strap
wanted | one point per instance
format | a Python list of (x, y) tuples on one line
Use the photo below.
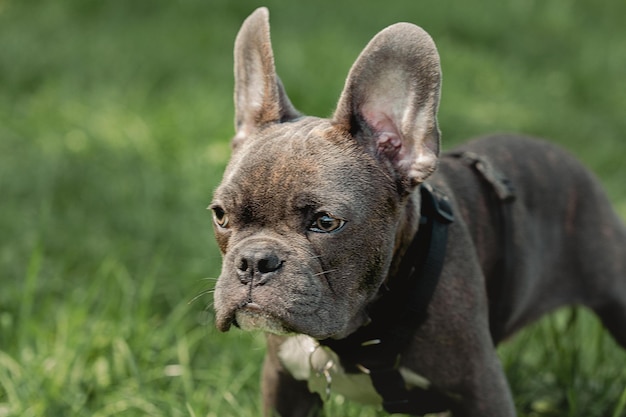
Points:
[(504, 192), (436, 216)]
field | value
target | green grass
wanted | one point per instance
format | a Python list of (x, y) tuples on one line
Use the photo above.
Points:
[(114, 125)]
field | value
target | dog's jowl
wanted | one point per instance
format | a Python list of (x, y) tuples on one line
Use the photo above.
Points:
[(382, 269)]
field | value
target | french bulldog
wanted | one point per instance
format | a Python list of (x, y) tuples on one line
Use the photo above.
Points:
[(316, 220)]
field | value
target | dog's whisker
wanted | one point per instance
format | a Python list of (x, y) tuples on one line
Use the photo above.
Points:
[(328, 271), (202, 294)]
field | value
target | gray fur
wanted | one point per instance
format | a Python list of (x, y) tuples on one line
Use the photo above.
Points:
[(361, 170)]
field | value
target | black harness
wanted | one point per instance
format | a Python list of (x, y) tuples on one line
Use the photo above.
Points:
[(402, 307)]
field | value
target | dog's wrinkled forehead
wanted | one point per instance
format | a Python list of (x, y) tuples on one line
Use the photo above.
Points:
[(293, 165)]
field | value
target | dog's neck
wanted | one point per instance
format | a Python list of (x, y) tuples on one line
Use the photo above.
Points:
[(401, 308), (407, 229)]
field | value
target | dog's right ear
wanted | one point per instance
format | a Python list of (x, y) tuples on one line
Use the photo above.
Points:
[(390, 100), (260, 98)]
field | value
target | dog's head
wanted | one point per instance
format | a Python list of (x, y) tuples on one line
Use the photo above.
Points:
[(309, 210)]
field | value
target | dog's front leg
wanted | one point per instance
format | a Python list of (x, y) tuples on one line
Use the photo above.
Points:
[(283, 395), (453, 348), (467, 371), (473, 379), (489, 393)]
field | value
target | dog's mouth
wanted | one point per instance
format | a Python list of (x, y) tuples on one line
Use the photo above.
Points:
[(252, 317)]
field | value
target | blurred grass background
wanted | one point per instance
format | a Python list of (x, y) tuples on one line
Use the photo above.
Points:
[(115, 118)]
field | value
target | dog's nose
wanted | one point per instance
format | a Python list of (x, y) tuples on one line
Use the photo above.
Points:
[(257, 266)]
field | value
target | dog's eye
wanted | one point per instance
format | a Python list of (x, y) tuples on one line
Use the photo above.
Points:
[(326, 223), (220, 217)]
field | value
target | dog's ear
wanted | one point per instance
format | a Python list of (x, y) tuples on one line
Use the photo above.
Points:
[(259, 95), (390, 101)]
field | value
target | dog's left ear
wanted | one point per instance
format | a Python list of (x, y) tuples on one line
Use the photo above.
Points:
[(390, 101), (260, 98)]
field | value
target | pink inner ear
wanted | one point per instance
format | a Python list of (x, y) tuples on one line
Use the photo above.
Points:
[(388, 143), (388, 138)]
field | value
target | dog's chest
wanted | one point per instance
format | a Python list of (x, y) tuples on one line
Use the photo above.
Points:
[(307, 361)]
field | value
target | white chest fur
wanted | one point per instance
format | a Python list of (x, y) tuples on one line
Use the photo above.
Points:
[(306, 360)]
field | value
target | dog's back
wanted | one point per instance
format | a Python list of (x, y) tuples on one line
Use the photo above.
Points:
[(558, 210)]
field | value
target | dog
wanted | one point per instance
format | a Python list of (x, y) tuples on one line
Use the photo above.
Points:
[(382, 269)]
